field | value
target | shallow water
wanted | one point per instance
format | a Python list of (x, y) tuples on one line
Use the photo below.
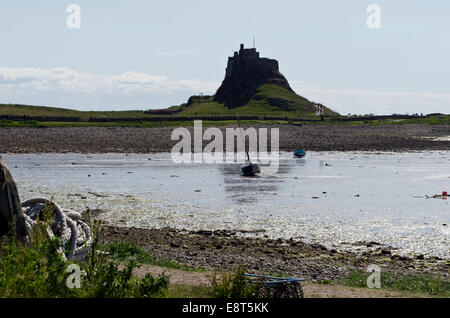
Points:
[(332, 198)]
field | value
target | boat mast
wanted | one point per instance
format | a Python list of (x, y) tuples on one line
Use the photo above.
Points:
[(242, 135)]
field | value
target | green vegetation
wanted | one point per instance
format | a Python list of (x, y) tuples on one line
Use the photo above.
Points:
[(296, 108), (108, 272), (418, 284), (21, 110), (228, 285), (233, 285), (432, 120), (435, 120), (25, 123), (137, 124), (40, 271), (185, 291), (290, 104)]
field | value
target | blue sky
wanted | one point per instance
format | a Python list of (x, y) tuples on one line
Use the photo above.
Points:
[(152, 54)]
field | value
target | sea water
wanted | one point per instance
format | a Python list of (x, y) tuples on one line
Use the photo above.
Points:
[(338, 199)]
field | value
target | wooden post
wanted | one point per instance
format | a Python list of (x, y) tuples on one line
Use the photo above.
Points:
[(11, 215)]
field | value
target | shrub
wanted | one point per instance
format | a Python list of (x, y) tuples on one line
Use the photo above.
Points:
[(405, 282), (125, 251), (233, 285), (40, 271)]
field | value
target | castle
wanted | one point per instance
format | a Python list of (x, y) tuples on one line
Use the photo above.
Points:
[(253, 81), (249, 57), (246, 71)]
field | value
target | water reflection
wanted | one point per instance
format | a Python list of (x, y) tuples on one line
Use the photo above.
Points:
[(247, 190), (326, 197)]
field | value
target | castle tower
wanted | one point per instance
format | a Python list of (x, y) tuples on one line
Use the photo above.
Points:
[(245, 72)]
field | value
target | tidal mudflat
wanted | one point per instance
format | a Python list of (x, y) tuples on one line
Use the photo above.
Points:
[(327, 137), (341, 200)]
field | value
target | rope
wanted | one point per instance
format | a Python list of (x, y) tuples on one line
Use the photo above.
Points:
[(67, 225)]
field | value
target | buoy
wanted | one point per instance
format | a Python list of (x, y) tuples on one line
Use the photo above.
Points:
[(444, 193)]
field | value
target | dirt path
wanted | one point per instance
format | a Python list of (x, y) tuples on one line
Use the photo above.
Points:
[(177, 277), (311, 290)]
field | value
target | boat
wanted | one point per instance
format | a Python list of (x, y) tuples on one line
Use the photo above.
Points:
[(249, 169), (300, 153)]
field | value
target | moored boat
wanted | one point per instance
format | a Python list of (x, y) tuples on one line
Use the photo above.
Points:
[(300, 153), (250, 169)]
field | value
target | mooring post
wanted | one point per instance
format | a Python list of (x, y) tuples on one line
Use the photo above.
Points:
[(12, 219)]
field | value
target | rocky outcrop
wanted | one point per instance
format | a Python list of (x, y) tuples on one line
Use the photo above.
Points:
[(12, 220), (198, 98), (245, 72)]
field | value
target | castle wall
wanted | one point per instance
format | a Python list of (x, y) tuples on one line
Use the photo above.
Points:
[(249, 57), (264, 62)]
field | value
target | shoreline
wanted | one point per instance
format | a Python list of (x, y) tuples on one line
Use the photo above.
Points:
[(155, 140), (224, 250)]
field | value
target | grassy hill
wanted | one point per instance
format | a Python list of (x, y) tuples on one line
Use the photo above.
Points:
[(269, 100), (21, 110)]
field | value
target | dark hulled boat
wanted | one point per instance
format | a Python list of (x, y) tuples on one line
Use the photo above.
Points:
[(250, 169), (300, 153)]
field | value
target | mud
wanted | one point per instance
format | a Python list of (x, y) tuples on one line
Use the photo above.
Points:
[(144, 140)]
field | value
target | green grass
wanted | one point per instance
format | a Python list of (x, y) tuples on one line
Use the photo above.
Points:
[(301, 109), (259, 104), (445, 120), (136, 124), (21, 110), (411, 283), (442, 120), (41, 272), (185, 291), (432, 120), (233, 285)]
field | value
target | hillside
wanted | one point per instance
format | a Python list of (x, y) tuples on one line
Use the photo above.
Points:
[(269, 100), (253, 86), (28, 110)]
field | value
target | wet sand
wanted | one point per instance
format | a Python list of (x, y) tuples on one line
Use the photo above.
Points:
[(144, 140)]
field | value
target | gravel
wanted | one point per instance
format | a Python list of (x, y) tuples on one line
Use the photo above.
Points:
[(144, 140)]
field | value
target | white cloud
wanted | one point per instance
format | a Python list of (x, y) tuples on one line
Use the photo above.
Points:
[(61, 86), (65, 87), (360, 101), (69, 80)]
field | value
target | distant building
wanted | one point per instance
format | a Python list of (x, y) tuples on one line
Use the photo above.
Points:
[(249, 57)]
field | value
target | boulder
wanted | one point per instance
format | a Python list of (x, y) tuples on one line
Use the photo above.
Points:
[(11, 215)]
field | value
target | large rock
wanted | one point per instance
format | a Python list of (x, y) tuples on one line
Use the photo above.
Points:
[(11, 215)]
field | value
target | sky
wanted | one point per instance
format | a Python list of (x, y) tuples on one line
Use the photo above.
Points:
[(154, 54)]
